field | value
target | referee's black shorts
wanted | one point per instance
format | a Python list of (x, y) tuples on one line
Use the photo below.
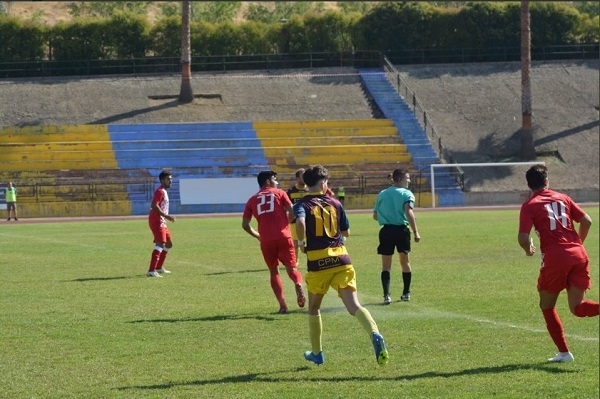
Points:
[(393, 236)]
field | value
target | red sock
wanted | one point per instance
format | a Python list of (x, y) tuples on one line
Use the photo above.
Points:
[(154, 259), (296, 276), (587, 309), (555, 328), (277, 286), (161, 259)]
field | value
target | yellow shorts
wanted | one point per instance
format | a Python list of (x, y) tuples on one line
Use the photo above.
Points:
[(294, 234), (336, 278)]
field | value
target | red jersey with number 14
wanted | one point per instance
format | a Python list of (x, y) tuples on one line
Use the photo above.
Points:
[(552, 214), (268, 207)]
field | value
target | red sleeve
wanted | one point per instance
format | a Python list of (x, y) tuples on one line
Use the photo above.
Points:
[(525, 219), (248, 209)]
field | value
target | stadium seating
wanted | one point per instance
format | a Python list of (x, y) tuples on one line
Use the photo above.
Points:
[(396, 109)]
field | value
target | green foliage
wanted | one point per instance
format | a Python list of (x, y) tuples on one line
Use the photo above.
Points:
[(81, 39), (592, 8), (80, 320), (355, 6), (127, 34), (21, 41), (107, 8), (120, 30), (166, 37), (553, 24), (215, 11)]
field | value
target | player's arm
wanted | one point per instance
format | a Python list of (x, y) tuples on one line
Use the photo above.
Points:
[(157, 209), (526, 242), (289, 210), (584, 227), (249, 229), (412, 220)]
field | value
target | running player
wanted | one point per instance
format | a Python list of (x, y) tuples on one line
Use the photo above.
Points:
[(565, 263), (272, 209), (322, 221)]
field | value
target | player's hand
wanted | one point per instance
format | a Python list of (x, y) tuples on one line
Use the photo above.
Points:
[(532, 248), (171, 218)]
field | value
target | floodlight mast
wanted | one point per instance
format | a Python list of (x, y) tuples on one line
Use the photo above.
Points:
[(463, 165)]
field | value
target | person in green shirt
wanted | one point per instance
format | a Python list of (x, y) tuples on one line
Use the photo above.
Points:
[(394, 211), (11, 200)]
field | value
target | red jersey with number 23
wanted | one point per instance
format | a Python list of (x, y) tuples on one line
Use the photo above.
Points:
[(268, 207), (552, 214)]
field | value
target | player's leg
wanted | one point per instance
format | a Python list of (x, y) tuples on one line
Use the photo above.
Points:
[(271, 257), (288, 258), (579, 281), (386, 250), (15, 210), (554, 326), (345, 283), (317, 284), (163, 255), (406, 275), (403, 248), (160, 238)]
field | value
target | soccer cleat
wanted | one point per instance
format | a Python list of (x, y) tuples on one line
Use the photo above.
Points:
[(300, 295), (562, 357), (316, 359), (283, 311), (152, 273), (163, 271), (387, 299), (405, 297), (381, 352)]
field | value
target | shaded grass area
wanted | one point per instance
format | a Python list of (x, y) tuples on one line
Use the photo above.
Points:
[(80, 320)]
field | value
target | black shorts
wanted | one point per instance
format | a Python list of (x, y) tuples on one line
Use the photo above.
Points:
[(393, 236)]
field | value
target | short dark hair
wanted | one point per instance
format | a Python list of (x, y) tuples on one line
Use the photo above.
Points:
[(314, 174), (536, 176), (163, 174), (264, 176), (398, 174)]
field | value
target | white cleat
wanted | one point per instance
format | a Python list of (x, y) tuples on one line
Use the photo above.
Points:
[(562, 357)]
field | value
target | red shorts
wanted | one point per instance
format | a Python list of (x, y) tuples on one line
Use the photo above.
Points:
[(281, 250), (557, 274), (161, 234)]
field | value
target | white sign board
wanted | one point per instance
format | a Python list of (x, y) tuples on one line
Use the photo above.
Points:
[(232, 190)]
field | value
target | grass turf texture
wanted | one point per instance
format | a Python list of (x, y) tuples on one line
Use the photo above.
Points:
[(80, 320)]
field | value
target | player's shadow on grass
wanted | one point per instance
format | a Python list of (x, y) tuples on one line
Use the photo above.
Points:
[(236, 272), (79, 280), (264, 377), (260, 317)]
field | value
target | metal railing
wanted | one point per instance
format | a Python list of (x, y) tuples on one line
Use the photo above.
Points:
[(355, 59)]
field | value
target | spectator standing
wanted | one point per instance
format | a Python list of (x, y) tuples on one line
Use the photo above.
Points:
[(565, 263), (341, 194), (11, 201), (394, 211)]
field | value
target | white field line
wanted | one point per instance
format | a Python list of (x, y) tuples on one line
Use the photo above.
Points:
[(416, 311)]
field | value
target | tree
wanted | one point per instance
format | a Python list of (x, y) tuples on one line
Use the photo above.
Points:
[(527, 151), (186, 94)]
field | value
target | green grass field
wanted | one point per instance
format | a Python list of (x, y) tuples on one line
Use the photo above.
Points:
[(80, 320)]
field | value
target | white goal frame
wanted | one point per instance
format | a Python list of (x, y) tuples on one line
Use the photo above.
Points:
[(463, 165)]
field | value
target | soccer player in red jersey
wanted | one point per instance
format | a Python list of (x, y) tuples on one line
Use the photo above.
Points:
[(321, 220), (272, 209), (565, 263), (157, 219)]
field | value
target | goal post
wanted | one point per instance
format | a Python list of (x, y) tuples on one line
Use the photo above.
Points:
[(465, 165)]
